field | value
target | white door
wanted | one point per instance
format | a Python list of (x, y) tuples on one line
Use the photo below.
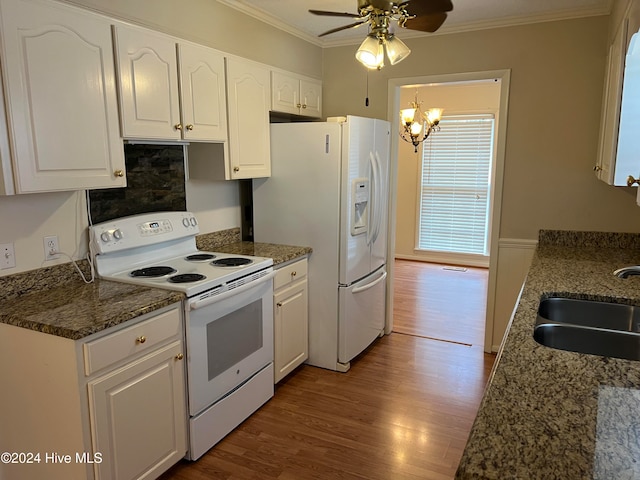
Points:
[(138, 416), (380, 160), (249, 102), (229, 338), (148, 72), (285, 94), (357, 143), (311, 98), (60, 98), (202, 93), (362, 315)]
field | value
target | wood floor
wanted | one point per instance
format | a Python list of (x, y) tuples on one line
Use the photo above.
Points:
[(440, 301), (403, 411)]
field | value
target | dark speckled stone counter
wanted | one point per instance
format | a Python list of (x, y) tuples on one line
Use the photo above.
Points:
[(228, 241), (551, 414), (56, 301)]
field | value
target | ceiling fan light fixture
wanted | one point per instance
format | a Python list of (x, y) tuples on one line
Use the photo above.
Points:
[(397, 50), (371, 52)]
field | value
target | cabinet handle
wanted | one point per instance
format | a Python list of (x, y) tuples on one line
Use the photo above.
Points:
[(294, 273), (597, 168), (299, 105), (279, 304), (119, 173), (178, 126), (179, 356), (631, 181), (304, 106), (189, 127), (236, 169), (141, 339)]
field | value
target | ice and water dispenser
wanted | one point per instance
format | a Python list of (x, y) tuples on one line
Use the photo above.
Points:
[(360, 206)]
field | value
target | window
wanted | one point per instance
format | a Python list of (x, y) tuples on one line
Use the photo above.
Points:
[(454, 199)]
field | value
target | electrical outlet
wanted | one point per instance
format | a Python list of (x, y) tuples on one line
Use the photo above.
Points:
[(51, 247), (7, 256)]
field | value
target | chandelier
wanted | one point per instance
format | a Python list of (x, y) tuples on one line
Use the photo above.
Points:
[(415, 125)]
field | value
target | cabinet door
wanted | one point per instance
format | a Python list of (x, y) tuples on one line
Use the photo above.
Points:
[(285, 93), (138, 416), (291, 346), (248, 95), (311, 95), (203, 96), (61, 99), (148, 74), (606, 168)]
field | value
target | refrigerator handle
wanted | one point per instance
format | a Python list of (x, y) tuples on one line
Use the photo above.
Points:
[(376, 197), (370, 285), (373, 190)]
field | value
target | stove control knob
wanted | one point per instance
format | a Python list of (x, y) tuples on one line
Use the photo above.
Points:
[(105, 236), (193, 221), (117, 234), (185, 222)]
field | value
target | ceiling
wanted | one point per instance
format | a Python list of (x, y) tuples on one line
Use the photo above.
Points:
[(293, 16)]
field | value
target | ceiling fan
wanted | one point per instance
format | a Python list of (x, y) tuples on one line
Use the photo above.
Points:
[(422, 15)]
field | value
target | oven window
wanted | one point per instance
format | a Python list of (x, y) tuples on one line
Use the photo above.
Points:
[(232, 338)]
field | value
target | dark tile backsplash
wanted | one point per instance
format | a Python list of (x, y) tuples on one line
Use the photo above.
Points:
[(155, 182)]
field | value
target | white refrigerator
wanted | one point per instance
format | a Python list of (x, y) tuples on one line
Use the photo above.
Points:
[(329, 190)]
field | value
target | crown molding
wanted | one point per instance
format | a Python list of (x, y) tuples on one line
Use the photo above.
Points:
[(516, 20)]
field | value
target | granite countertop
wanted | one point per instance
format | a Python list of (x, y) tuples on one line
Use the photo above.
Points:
[(56, 301), (229, 241), (552, 414)]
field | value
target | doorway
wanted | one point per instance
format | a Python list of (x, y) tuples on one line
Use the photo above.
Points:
[(464, 86)]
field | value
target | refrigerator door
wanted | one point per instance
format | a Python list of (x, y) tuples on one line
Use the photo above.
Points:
[(357, 191), (362, 314), (380, 206), (300, 205)]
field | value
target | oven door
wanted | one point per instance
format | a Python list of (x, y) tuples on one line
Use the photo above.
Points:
[(229, 339)]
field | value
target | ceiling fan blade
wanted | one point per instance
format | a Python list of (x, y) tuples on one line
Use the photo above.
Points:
[(427, 7), (345, 27), (426, 23), (334, 14)]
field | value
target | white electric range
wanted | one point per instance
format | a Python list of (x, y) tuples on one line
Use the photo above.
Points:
[(228, 313)]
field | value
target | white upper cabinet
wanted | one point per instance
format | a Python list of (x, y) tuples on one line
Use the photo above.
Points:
[(148, 74), (203, 96), (152, 105), (248, 97), (606, 167), (61, 104), (618, 162), (296, 95)]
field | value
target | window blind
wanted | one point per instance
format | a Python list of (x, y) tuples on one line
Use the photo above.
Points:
[(454, 200)]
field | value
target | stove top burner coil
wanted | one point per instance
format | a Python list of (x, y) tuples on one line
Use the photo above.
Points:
[(199, 257), (231, 262), (151, 272), (186, 278)]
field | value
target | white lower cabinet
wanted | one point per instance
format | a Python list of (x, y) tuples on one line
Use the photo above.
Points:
[(291, 318), (109, 406), (137, 416)]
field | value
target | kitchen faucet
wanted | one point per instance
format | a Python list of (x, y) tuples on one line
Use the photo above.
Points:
[(625, 272)]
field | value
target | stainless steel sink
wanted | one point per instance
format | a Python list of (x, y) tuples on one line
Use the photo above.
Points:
[(588, 326)]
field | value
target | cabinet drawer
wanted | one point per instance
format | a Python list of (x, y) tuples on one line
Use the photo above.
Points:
[(290, 273), (138, 338)]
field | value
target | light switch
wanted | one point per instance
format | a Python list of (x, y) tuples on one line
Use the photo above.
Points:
[(7, 256)]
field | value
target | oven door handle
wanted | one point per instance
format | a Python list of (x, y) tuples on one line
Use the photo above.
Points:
[(218, 298)]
